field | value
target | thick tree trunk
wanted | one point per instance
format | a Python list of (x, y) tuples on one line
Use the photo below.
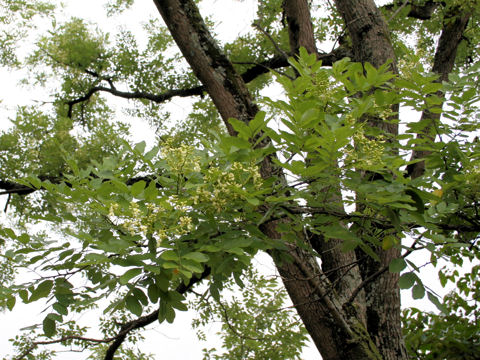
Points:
[(300, 29), (334, 328), (224, 85), (371, 43), (341, 267)]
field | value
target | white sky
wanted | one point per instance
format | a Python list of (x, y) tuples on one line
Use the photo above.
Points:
[(176, 341)]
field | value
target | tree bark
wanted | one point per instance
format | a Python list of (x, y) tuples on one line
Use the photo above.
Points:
[(300, 29), (224, 85), (371, 43)]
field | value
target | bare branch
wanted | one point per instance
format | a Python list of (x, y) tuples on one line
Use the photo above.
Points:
[(276, 62)]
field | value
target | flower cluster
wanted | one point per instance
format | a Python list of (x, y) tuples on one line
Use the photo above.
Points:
[(154, 220), (411, 64), (368, 153), (221, 187), (181, 159), (321, 86)]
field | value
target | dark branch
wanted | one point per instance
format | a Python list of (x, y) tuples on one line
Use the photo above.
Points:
[(11, 187), (159, 98), (421, 12), (249, 75)]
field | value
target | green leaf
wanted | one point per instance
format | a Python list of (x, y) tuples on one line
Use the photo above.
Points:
[(196, 256), (43, 290), (23, 295), (151, 192), (170, 265), (11, 302), (170, 314), (129, 274), (133, 305), (170, 255), (434, 299), (407, 280), (62, 310), (49, 327), (239, 126), (140, 147), (153, 293), (140, 296), (418, 291), (179, 306), (237, 243), (192, 266), (397, 265), (137, 188), (162, 310), (257, 123)]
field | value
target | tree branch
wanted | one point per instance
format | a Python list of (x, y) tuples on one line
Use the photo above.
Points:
[(420, 12), (143, 321), (258, 69), (454, 25), (376, 274), (159, 98)]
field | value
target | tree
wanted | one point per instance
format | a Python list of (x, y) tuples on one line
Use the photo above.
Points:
[(339, 194)]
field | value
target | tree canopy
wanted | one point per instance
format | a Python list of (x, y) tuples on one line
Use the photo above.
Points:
[(368, 155)]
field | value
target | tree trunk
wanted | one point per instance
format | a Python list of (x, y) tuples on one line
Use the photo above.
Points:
[(371, 43), (454, 25), (338, 333)]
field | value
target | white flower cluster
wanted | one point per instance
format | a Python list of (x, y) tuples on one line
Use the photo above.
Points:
[(181, 159), (367, 153), (154, 220), (222, 187)]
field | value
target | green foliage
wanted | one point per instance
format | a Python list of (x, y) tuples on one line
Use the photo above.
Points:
[(255, 323), (16, 18), (449, 335), (134, 223)]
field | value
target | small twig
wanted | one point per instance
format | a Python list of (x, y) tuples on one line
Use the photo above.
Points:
[(397, 11), (35, 344), (232, 328), (379, 272), (6, 204), (277, 47)]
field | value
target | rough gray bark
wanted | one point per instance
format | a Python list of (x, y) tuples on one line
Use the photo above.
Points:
[(371, 43)]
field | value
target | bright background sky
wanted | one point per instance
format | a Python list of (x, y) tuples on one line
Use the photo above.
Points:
[(169, 341)]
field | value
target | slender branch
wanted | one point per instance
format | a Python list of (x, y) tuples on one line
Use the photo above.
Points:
[(280, 51), (35, 344), (143, 321), (397, 11), (420, 12), (159, 98), (376, 274), (232, 328), (249, 75)]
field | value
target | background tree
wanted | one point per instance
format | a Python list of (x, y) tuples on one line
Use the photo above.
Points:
[(339, 194)]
